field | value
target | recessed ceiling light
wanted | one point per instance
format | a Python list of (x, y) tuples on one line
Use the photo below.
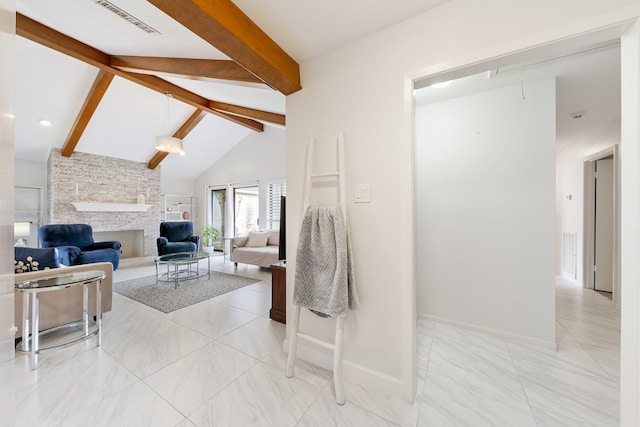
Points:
[(44, 122), (8, 115)]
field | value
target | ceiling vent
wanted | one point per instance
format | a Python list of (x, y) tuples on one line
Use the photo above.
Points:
[(127, 16)]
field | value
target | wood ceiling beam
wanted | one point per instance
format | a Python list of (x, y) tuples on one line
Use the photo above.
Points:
[(99, 88), (210, 68), (181, 133), (264, 116), (222, 24), (197, 101), (34, 31)]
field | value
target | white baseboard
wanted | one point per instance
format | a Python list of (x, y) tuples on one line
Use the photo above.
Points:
[(352, 372), (570, 279), (500, 334)]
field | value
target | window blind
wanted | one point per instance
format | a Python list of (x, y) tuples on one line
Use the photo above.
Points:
[(274, 191)]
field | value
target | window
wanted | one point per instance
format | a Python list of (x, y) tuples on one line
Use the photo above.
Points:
[(246, 209), (274, 191), (28, 210)]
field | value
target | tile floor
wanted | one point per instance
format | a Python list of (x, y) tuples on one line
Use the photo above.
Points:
[(220, 363)]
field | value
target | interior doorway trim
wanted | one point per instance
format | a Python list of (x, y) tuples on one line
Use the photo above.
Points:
[(588, 246), (471, 65), (628, 29)]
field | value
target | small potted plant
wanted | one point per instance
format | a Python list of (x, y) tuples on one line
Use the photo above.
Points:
[(209, 235)]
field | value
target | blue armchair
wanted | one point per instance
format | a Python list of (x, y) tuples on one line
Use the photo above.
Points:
[(76, 246), (177, 236)]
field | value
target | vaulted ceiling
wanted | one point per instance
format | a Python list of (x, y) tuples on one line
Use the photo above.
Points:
[(101, 80)]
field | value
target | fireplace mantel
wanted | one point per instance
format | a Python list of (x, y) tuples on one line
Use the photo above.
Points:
[(109, 207)]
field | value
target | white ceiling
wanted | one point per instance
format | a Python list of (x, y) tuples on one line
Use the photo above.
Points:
[(52, 86), (308, 28), (586, 81)]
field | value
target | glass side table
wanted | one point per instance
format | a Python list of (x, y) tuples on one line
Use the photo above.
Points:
[(53, 282), (174, 261)]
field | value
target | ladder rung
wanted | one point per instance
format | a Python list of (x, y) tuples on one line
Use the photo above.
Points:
[(316, 341), (322, 175)]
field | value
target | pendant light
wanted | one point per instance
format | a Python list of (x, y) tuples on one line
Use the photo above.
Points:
[(166, 143)]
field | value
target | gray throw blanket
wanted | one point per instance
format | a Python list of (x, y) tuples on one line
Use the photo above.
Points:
[(325, 281)]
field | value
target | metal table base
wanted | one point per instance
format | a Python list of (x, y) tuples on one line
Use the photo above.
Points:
[(31, 310)]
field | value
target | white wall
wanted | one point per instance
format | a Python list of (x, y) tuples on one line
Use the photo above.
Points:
[(258, 157), (569, 218), (630, 229), (364, 90), (175, 186), (7, 97), (31, 174), (485, 210)]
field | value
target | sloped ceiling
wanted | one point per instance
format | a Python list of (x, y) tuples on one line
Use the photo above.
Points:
[(53, 86)]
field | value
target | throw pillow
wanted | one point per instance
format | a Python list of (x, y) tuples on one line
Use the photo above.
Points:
[(34, 259), (257, 239), (274, 238), (26, 266)]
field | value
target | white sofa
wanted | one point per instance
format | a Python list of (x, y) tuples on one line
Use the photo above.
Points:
[(263, 255)]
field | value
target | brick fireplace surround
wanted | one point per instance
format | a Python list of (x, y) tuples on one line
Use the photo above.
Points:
[(91, 178)]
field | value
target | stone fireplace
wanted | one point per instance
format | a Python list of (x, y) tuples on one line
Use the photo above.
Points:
[(106, 192)]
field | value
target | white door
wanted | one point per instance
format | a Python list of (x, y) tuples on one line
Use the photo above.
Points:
[(603, 247)]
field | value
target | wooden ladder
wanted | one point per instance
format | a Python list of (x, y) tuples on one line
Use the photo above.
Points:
[(337, 346)]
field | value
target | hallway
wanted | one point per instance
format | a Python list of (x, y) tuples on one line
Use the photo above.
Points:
[(472, 378)]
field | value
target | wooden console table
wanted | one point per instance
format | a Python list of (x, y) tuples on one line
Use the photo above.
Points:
[(278, 310)]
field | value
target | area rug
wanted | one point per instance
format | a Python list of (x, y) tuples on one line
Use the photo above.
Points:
[(164, 297)]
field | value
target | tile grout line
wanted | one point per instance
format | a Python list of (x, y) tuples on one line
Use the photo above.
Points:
[(524, 389), (426, 373)]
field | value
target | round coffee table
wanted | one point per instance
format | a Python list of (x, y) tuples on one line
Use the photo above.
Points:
[(180, 267)]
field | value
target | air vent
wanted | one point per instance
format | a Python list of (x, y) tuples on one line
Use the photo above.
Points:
[(127, 16)]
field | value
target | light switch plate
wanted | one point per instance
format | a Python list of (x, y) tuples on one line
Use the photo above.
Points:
[(361, 193)]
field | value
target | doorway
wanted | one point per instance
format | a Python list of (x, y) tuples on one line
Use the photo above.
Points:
[(601, 219), (603, 227), (478, 141), (218, 215), (456, 203)]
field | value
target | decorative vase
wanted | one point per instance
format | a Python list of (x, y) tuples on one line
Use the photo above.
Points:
[(140, 199)]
